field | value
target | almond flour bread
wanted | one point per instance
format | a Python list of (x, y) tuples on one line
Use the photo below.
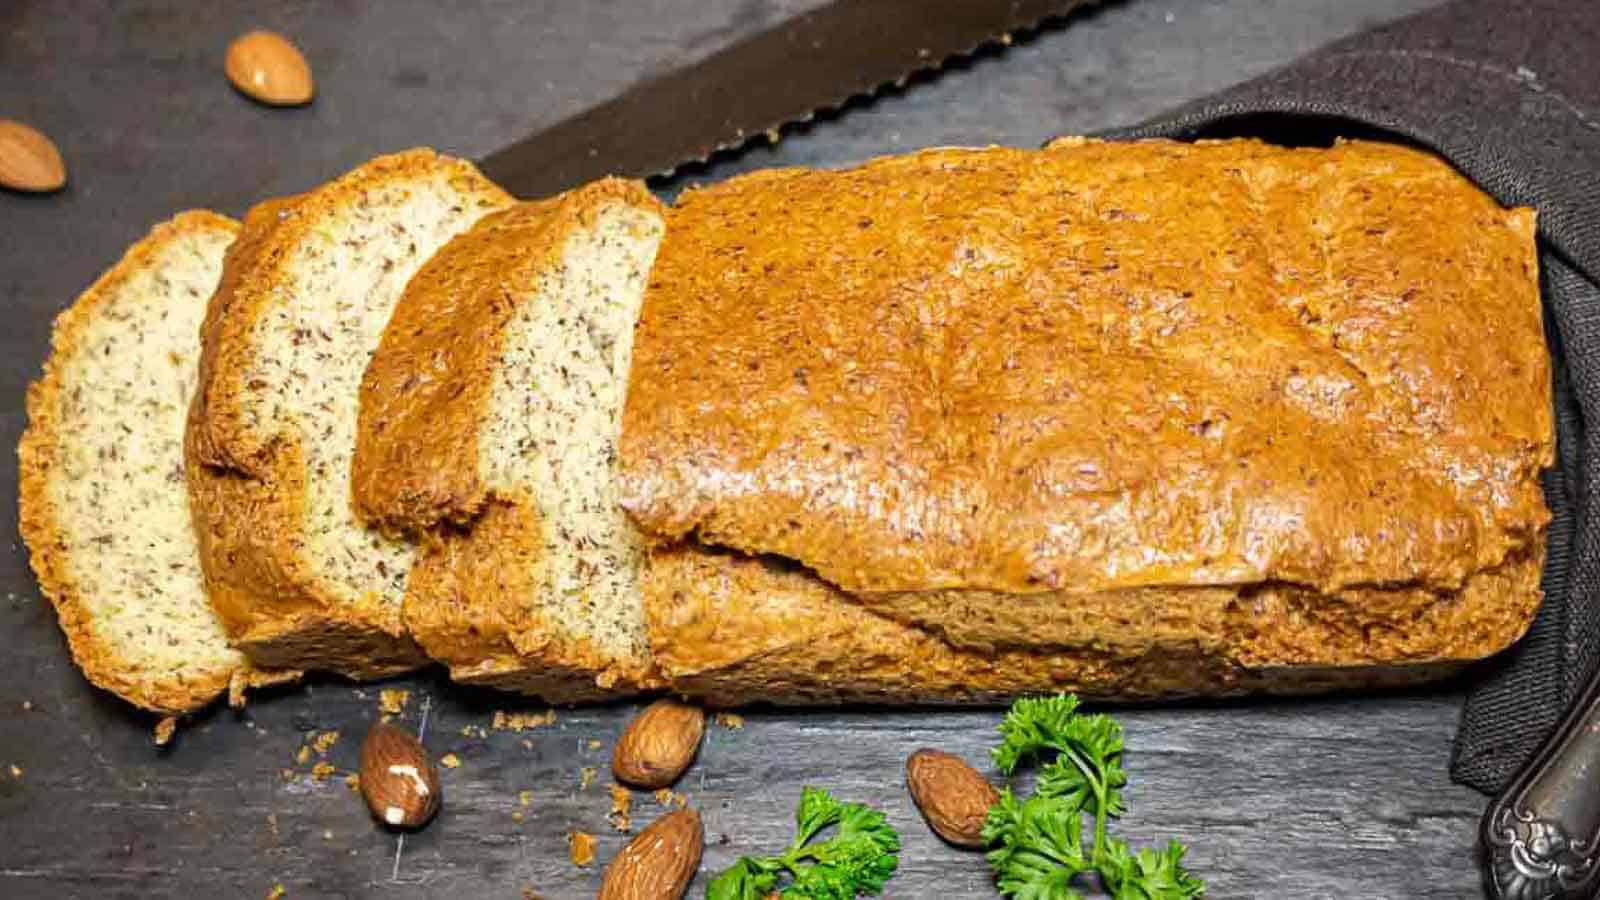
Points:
[(102, 501), (1240, 398), (489, 419), (304, 298)]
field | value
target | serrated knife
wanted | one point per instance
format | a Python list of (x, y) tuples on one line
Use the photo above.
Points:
[(787, 74)]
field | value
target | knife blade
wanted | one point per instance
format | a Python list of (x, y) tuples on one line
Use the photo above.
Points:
[(786, 74)]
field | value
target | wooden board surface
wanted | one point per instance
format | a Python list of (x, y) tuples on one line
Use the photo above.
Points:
[(1318, 799)]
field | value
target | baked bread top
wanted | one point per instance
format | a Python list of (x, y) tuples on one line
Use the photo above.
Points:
[(102, 501), (1096, 366)]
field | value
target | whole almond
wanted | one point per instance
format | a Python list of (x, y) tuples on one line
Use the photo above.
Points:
[(659, 863), (953, 797), (658, 744), (398, 780), (28, 160), (266, 67)]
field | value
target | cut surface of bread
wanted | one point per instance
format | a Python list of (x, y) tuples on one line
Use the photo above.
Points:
[(489, 421), (304, 298), (1001, 393), (733, 630), (103, 506)]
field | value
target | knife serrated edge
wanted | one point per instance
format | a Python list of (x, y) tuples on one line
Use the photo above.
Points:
[(811, 63)]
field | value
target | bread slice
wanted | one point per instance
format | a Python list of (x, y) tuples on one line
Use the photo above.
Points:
[(103, 507), (489, 420), (304, 298), (1046, 399)]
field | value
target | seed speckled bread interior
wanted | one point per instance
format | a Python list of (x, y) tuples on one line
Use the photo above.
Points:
[(489, 419), (103, 506), (1245, 398), (304, 298)]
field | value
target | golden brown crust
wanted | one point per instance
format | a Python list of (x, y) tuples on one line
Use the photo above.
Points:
[(1097, 367), (734, 630), (248, 483), (38, 456), (424, 402), (427, 388)]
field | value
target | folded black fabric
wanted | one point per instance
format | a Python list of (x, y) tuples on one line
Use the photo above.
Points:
[(1509, 92)]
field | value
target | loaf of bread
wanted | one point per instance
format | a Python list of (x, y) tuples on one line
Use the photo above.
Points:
[(103, 507), (1113, 404), (488, 424), (304, 298)]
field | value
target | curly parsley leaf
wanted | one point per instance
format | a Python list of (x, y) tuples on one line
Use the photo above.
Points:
[(1038, 842), (857, 861)]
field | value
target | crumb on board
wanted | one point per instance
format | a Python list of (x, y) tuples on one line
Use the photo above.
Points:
[(516, 816), (527, 744), (586, 777), (16, 771), (392, 701), (594, 745), (504, 721), (288, 774), (730, 721), (272, 823), (327, 834), (165, 729), (450, 761), (27, 705), (670, 798), (524, 798), (277, 892), (474, 731), (322, 771), (581, 847), (353, 781), (531, 894), (621, 801), (303, 755), (324, 742)]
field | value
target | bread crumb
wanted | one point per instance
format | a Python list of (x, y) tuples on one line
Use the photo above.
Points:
[(586, 777), (272, 823), (730, 721), (16, 771), (165, 729), (276, 893), (670, 798), (322, 771), (594, 745), (327, 834), (288, 774), (621, 801), (303, 755), (324, 742), (27, 705), (450, 761), (531, 894), (581, 848), (504, 721), (392, 701), (474, 731), (524, 798), (527, 744), (353, 782), (516, 816)]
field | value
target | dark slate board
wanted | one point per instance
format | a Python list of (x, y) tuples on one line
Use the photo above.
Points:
[(1314, 799)]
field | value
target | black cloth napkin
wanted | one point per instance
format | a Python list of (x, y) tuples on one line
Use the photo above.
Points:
[(1509, 92)]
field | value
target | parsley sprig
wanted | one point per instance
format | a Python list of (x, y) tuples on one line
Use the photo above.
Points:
[(1038, 842), (858, 860)]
